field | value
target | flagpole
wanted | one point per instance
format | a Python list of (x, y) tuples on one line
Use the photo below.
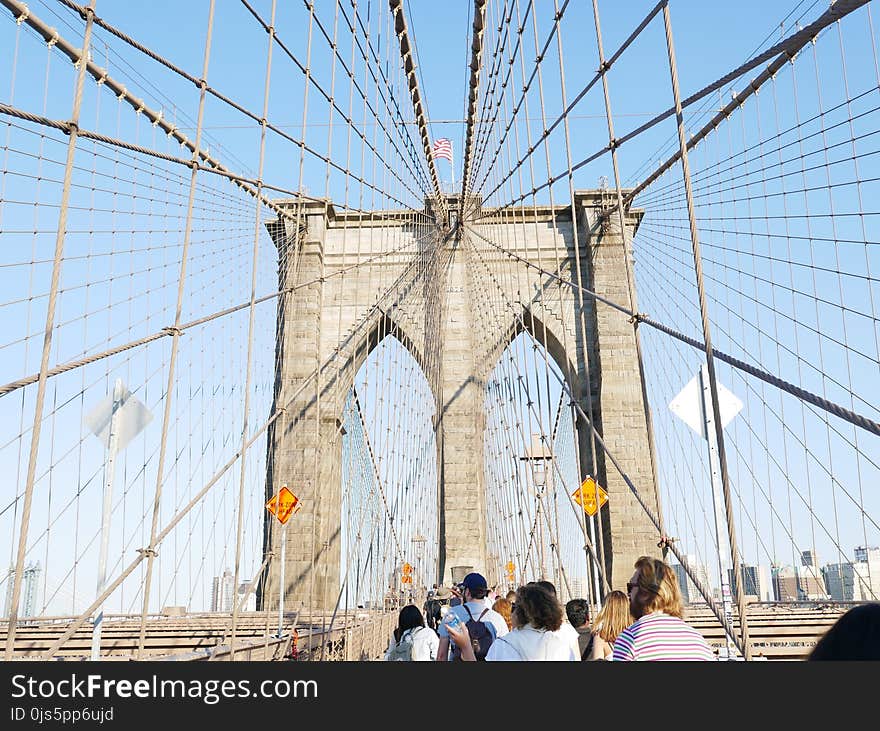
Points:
[(452, 168)]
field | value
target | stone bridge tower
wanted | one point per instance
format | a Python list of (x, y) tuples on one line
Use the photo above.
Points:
[(334, 314)]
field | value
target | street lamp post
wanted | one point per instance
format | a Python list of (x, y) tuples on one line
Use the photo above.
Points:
[(419, 542), (540, 459)]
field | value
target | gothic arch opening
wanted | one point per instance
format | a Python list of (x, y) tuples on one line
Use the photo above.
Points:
[(389, 520)]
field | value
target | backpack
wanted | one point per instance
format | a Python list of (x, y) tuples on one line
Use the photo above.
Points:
[(480, 634), (402, 651)]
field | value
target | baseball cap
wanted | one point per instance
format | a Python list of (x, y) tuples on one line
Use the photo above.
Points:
[(474, 581)]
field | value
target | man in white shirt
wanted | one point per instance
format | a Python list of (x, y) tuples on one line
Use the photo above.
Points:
[(474, 592)]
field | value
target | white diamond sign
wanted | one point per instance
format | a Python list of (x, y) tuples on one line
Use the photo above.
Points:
[(131, 418), (687, 405)]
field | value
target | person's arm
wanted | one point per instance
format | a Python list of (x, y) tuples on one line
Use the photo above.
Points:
[(598, 650), (462, 638), (443, 650)]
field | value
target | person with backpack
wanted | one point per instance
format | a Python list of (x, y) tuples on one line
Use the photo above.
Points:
[(537, 617), (484, 625), (411, 639), (437, 606)]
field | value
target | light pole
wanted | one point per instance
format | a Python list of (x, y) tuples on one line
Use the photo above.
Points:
[(419, 542), (539, 457)]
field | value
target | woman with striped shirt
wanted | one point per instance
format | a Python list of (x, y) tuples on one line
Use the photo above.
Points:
[(659, 632)]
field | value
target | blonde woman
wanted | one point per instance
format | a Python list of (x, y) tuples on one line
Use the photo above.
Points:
[(610, 622)]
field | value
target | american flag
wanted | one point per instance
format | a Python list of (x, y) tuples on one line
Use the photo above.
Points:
[(443, 148)]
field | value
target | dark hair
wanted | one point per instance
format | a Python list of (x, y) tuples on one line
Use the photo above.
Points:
[(409, 617), (548, 586), (578, 612), (536, 606), (479, 592), (855, 636)]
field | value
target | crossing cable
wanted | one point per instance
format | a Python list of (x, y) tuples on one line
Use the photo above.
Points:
[(707, 107), (645, 507), (102, 77), (19, 11), (665, 278), (577, 265), (781, 52), (150, 551), (473, 94), (243, 181), (559, 14), (169, 331), (485, 130), (520, 378), (707, 342), (218, 95), (250, 334), (408, 61), (605, 66), (821, 334), (823, 403), (365, 319), (47, 344)]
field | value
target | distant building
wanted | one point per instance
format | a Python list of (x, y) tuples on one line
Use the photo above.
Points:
[(785, 583), (689, 592), (811, 585), (866, 574), (757, 586), (808, 558), (221, 592), (250, 605), (801, 583), (839, 581), (856, 581), (30, 584)]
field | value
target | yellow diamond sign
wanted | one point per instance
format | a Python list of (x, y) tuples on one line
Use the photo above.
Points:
[(590, 496), (283, 504)]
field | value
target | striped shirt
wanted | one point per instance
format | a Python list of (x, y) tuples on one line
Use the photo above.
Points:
[(659, 636)]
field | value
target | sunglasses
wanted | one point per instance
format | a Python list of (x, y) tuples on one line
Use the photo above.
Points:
[(659, 573)]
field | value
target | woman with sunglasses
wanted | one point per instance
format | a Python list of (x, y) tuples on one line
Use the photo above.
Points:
[(659, 632)]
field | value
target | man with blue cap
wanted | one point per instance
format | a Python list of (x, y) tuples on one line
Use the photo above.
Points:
[(474, 590)]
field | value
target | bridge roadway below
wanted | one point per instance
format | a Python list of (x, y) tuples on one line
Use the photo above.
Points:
[(778, 631)]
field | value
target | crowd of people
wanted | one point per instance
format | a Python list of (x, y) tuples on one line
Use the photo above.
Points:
[(471, 622)]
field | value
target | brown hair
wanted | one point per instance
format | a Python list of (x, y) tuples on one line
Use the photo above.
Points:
[(504, 608), (658, 587), (614, 616), (538, 607)]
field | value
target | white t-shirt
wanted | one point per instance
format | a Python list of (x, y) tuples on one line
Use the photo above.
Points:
[(424, 643), (570, 635), (494, 621), (528, 643)]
